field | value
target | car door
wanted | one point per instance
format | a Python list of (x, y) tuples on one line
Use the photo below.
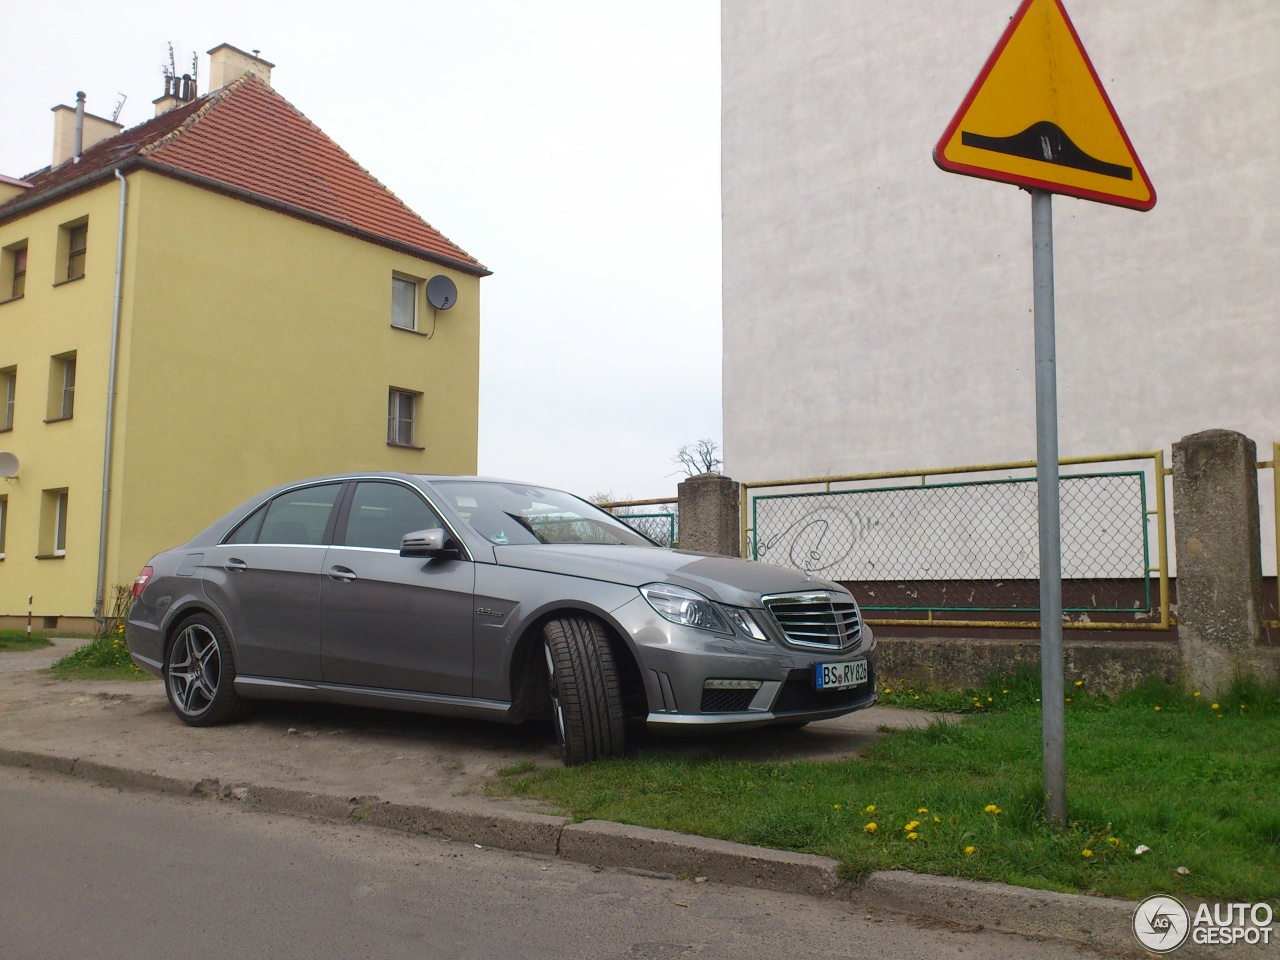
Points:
[(393, 622), (265, 578)]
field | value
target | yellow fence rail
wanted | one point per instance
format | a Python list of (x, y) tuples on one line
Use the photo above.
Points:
[(747, 493)]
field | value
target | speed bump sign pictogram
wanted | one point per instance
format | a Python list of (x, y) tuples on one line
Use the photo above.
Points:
[(1037, 116)]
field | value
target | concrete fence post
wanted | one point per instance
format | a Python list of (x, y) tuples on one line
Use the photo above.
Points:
[(709, 515), (1219, 557)]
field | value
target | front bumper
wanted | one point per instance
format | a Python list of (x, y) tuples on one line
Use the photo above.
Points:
[(676, 663)]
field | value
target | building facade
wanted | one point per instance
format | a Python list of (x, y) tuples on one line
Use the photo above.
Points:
[(877, 311), (215, 301)]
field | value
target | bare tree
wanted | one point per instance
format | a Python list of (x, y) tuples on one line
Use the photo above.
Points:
[(694, 459)]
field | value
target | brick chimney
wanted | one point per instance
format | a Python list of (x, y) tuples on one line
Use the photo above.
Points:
[(228, 63)]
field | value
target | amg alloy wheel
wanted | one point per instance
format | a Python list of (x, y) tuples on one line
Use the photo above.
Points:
[(199, 674)]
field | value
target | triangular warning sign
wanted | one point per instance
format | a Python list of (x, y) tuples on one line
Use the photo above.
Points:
[(1037, 116)]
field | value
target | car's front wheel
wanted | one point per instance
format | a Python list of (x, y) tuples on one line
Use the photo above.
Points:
[(200, 673), (586, 695)]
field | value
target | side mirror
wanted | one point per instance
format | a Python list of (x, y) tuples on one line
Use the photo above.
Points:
[(429, 543)]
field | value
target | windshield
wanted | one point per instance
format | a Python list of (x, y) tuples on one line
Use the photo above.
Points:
[(512, 513)]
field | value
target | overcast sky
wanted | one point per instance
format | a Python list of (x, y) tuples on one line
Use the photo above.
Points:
[(573, 147)]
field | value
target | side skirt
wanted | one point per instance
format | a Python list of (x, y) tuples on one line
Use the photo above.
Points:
[(266, 688)]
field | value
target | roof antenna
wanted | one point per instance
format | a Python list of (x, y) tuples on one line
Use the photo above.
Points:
[(195, 72), (115, 115), (170, 71)]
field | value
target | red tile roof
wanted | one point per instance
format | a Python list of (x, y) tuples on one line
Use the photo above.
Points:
[(248, 138)]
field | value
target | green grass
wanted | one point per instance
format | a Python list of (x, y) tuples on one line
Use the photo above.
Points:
[(102, 658), (1193, 783), (18, 640)]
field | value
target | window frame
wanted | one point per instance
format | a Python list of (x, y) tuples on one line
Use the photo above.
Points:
[(54, 504), (9, 400), (4, 521), (62, 387), (74, 253), (13, 270), (395, 399), (416, 285)]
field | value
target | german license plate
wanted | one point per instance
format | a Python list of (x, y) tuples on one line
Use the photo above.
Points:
[(840, 676)]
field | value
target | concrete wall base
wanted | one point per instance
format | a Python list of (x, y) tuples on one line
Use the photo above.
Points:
[(1106, 666)]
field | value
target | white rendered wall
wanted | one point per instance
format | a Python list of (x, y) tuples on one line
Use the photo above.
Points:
[(877, 311)]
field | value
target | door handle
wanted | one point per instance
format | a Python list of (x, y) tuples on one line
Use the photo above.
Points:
[(341, 574), (235, 565)]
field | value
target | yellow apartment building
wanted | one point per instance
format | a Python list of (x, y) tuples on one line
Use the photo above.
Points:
[(207, 304)]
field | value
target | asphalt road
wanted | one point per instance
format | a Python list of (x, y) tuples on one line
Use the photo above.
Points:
[(92, 872)]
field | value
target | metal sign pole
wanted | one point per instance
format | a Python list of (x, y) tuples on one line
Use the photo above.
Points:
[(1051, 695)]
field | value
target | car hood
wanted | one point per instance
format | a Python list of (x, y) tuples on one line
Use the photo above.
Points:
[(727, 579)]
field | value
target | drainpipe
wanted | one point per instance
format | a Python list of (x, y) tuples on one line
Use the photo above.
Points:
[(79, 140), (98, 613)]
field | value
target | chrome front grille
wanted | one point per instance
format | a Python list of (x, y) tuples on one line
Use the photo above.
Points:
[(818, 620)]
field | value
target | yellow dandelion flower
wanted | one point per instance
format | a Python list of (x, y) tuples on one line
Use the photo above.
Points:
[(911, 826), (1086, 853), (968, 851), (1114, 841), (1079, 683), (887, 690), (977, 704), (1214, 707), (871, 808), (1242, 706), (1196, 694), (913, 835), (1068, 699), (1219, 716), (870, 828), (1002, 691), (1157, 709), (937, 819), (835, 806), (923, 810), (991, 808), (989, 700)]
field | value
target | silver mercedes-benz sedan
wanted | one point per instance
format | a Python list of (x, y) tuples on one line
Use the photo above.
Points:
[(485, 598)]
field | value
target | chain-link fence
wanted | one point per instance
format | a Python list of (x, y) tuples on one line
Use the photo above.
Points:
[(656, 519), (970, 545)]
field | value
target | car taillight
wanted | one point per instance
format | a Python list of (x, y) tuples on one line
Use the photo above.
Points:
[(141, 581)]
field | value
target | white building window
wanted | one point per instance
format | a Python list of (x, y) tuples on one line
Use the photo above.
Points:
[(53, 524), (401, 417), (404, 303)]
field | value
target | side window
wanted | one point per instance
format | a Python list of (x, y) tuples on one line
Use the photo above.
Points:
[(247, 532), (382, 513), (299, 516)]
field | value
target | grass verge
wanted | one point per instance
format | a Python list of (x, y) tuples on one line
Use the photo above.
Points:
[(102, 658), (1191, 779), (19, 640)]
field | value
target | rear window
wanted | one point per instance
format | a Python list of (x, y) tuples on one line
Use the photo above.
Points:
[(299, 516)]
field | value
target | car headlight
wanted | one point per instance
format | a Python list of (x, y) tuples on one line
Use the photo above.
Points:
[(685, 607), (691, 609), (746, 623)]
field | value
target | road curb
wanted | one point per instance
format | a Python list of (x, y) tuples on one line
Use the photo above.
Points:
[(1097, 922), (607, 844)]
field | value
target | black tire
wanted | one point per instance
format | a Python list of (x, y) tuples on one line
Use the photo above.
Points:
[(200, 674), (586, 696)]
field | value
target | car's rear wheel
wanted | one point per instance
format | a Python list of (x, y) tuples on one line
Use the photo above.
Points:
[(200, 673), (586, 695)]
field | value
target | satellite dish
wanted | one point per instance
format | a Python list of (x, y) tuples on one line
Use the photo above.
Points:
[(8, 465), (441, 292)]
